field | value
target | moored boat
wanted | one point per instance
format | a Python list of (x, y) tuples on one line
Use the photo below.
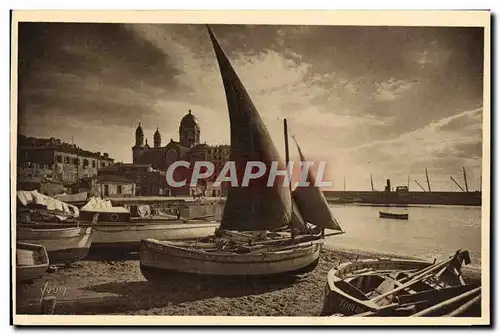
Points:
[(396, 216), (246, 243), (124, 233), (32, 261), (64, 243), (127, 236), (394, 287)]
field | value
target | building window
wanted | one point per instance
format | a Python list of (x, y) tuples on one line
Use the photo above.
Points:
[(85, 162), (119, 189), (106, 190), (103, 164), (59, 159), (66, 160), (76, 161), (93, 163)]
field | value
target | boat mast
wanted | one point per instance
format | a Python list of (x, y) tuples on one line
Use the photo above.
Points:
[(428, 183), (287, 155), (408, 183), (287, 160), (371, 181), (344, 183), (465, 179)]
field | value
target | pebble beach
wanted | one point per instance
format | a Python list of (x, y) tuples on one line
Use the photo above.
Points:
[(116, 286)]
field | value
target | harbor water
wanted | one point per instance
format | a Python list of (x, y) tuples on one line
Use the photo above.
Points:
[(430, 232)]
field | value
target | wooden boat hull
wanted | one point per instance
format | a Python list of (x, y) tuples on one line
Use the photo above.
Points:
[(394, 216), (32, 261), (158, 259), (127, 236), (63, 245), (338, 301)]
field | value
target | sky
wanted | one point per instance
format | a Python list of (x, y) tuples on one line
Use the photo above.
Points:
[(386, 101)]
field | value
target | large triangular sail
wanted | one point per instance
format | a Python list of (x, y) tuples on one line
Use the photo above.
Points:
[(256, 207), (312, 203)]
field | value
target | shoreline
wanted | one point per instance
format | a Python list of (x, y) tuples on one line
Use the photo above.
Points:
[(117, 287)]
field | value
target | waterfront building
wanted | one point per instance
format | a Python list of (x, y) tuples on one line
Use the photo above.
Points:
[(41, 161), (147, 179)]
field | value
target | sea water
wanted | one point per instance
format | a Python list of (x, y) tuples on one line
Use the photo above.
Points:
[(430, 232)]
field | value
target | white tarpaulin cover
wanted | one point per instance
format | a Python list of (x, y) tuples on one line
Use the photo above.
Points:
[(102, 206), (79, 197), (34, 197)]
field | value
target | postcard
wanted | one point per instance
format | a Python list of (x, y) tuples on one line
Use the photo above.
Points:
[(250, 167)]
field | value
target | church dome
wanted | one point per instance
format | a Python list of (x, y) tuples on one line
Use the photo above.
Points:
[(189, 120)]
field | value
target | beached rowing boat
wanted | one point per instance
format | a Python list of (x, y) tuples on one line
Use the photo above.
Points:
[(126, 236), (114, 228), (32, 261), (393, 287), (160, 258), (64, 244)]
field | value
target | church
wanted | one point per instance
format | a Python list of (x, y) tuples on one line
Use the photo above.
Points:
[(188, 148)]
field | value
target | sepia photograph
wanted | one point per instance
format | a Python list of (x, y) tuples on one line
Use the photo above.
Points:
[(332, 167)]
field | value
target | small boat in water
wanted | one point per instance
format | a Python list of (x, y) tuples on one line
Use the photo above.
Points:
[(64, 243), (396, 216), (397, 287), (32, 261), (264, 230)]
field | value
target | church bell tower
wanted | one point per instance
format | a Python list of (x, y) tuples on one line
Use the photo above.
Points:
[(139, 142)]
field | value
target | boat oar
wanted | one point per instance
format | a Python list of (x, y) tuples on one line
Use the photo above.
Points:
[(423, 276), (428, 269), (201, 217), (448, 302), (465, 306), (414, 278)]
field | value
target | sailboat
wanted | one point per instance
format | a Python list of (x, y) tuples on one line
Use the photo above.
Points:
[(263, 230)]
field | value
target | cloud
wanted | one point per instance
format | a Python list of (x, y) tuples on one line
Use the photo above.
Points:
[(339, 87), (432, 58), (443, 146), (392, 89), (318, 118)]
